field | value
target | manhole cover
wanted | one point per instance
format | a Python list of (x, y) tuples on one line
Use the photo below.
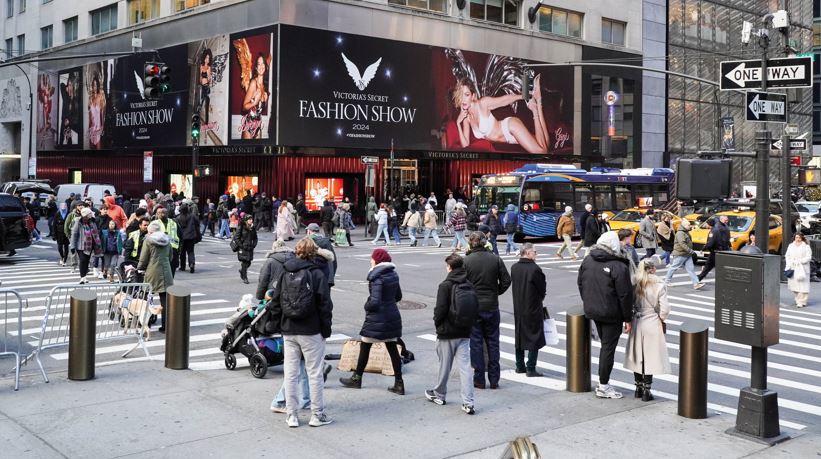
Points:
[(411, 305)]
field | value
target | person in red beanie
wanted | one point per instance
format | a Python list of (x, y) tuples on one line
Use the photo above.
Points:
[(383, 323)]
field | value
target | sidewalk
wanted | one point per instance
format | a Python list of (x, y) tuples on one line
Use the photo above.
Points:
[(143, 410)]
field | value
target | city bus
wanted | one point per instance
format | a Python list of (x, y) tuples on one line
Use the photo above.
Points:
[(541, 191)]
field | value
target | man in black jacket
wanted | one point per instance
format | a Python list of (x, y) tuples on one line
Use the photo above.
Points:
[(718, 239), (488, 274), (323, 243), (189, 228), (607, 295), (529, 290), (588, 211), (452, 341), (326, 217), (492, 221), (304, 337)]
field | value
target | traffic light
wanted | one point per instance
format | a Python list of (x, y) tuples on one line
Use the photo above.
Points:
[(195, 126), (151, 81), (795, 160), (202, 171), (165, 78)]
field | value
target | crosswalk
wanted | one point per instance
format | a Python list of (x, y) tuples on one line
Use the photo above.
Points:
[(791, 365)]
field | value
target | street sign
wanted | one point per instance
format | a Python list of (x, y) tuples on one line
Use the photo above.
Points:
[(766, 106), (791, 129), (369, 160), (795, 144), (788, 72)]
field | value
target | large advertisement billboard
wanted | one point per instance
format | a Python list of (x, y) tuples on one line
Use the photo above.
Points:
[(253, 89), (97, 97), (345, 90), (209, 88), (47, 124), (71, 115)]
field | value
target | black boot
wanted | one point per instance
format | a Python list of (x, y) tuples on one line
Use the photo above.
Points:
[(646, 396), (398, 387), (639, 385), (192, 269), (354, 382)]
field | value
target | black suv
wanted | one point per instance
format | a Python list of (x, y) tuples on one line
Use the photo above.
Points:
[(16, 225)]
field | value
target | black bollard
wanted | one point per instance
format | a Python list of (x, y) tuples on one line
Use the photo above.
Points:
[(82, 335)]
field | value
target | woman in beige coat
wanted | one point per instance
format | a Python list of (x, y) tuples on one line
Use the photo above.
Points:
[(646, 351)]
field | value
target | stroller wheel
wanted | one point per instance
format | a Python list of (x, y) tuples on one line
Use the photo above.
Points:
[(259, 365), (230, 361)]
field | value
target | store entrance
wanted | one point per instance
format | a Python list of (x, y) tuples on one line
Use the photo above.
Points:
[(400, 176)]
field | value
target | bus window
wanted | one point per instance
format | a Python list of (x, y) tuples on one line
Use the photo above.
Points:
[(584, 195), (623, 199), (660, 194), (604, 197), (548, 195)]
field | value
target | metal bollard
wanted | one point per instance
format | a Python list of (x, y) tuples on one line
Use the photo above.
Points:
[(82, 335), (177, 327), (692, 377), (521, 448), (578, 350)]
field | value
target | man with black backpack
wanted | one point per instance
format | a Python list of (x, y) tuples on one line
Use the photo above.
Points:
[(301, 304), (457, 307)]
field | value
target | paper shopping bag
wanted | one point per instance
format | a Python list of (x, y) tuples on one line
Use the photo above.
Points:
[(551, 334)]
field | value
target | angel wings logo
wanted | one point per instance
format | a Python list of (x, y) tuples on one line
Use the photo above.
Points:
[(140, 85), (361, 80)]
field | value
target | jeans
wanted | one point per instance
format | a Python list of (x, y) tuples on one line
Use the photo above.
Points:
[(678, 262), (431, 232), (665, 256), (609, 332), (110, 263), (311, 348), (224, 230), (396, 236), (459, 239), (412, 234), (449, 351), (493, 244), (381, 230), (485, 331), (511, 246), (279, 399), (85, 258), (51, 226)]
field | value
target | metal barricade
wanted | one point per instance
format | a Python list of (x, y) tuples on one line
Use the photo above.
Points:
[(13, 342), (121, 310)]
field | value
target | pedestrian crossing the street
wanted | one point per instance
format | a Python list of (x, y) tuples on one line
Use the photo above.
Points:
[(790, 373)]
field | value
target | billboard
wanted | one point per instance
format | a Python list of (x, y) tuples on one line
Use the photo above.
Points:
[(238, 185), (47, 125), (321, 189), (71, 117), (252, 86), (97, 95), (209, 88), (180, 184), (139, 122), (345, 90)]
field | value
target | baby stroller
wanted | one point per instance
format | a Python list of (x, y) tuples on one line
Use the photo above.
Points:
[(249, 332)]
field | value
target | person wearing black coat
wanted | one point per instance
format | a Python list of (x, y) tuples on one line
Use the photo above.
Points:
[(592, 231), (606, 289), (529, 290), (488, 274), (588, 210), (189, 228), (273, 268), (246, 241), (326, 217), (717, 240), (492, 221), (383, 323), (452, 341)]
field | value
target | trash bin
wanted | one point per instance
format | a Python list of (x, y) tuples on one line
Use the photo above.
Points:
[(82, 335)]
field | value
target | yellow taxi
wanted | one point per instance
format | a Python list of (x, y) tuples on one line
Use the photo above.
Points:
[(631, 218), (741, 223)]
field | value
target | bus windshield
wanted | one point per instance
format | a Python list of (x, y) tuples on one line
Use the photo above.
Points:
[(486, 196)]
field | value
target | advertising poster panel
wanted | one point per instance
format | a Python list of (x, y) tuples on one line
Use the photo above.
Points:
[(180, 183), (71, 115), (47, 125), (321, 189), (238, 185), (209, 88), (97, 97), (252, 86)]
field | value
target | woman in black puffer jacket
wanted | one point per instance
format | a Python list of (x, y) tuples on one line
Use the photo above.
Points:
[(383, 323)]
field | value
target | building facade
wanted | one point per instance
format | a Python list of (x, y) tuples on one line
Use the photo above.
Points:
[(816, 86), (292, 93)]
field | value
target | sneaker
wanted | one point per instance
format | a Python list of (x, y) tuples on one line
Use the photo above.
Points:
[(432, 397), (293, 421), (319, 420), (278, 407), (468, 409), (607, 391), (699, 286)]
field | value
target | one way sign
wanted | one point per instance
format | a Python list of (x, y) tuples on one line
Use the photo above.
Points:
[(790, 72), (795, 144), (766, 106)]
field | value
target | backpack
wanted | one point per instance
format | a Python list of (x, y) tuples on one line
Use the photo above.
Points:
[(464, 305), (511, 222), (296, 294), (335, 219)]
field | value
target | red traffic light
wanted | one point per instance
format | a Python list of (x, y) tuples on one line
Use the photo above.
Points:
[(795, 160), (152, 69)]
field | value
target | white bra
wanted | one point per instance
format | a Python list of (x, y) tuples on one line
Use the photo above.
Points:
[(485, 126)]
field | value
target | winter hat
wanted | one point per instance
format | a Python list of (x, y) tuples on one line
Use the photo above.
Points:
[(611, 240), (86, 212), (154, 226), (143, 203), (380, 256), (568, 210), (313, 227)]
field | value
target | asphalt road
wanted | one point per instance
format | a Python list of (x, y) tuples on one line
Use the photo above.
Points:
[(794, 369)]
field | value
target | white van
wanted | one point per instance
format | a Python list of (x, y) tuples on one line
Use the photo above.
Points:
[(95, 191)]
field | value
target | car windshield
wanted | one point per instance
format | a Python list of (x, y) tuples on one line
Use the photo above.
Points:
[(735, 223), (806, 207), (627, 216)]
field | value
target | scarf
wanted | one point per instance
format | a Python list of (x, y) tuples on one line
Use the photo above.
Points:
[(664, 230), (91, 238)]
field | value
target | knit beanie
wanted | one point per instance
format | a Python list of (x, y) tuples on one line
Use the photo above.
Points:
[(381, 256)]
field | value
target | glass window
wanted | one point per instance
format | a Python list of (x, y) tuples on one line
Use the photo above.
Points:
[(9, 8), (816, 119), (70, 30), (180, 5), (548, 195), (561, 22), (502, 11), (142, 10), (104, 19), (816, 64), (46, 37), (603, 197), (623, 198), (816, 93), (22, 6), (584, 195), (816, 8), (21, 45), (660, 194), (612, 31)]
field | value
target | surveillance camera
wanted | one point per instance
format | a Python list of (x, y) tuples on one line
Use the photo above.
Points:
[(781, 19), (767, 18)]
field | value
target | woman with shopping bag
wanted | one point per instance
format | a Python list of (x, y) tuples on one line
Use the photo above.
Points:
[(797, 259), (646, 350), (529, 290)]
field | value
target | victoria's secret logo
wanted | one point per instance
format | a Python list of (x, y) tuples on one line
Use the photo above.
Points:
[(361, 80)]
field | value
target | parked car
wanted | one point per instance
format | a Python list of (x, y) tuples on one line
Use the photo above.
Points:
[(95, 191), (16, 225)]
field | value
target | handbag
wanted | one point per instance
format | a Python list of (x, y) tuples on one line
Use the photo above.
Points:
[(551, 334), (789, 273), (234, 244)]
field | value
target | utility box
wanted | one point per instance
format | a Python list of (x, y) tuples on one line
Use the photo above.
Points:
[(748, 296)]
